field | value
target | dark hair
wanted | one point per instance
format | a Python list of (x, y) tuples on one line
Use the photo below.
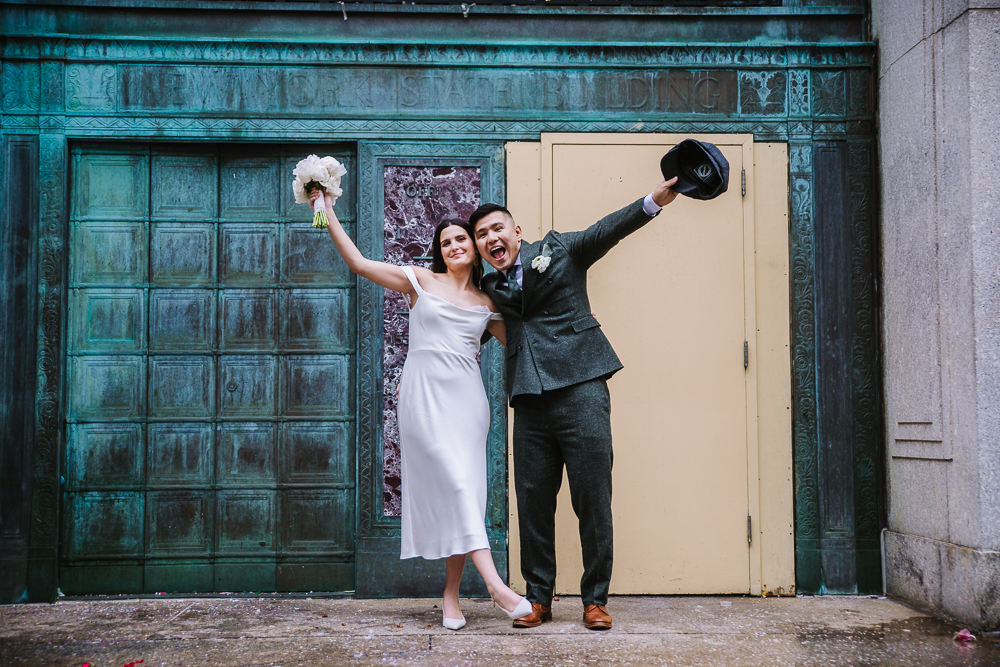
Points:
[(437, 263), (484, 211)]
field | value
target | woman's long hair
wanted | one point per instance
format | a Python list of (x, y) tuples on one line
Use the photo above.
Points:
[(438, 265)]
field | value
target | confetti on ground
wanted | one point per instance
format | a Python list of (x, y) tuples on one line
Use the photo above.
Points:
[(964, 635)]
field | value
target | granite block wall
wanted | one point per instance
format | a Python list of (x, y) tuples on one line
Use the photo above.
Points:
[(939, 141)]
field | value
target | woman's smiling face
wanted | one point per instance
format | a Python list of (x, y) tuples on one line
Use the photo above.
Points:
[(457, 247)]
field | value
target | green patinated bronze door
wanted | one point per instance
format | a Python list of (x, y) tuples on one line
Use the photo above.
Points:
[(210, 420)]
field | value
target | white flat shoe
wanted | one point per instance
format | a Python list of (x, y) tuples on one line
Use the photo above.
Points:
[(522, 609), (454, 623)]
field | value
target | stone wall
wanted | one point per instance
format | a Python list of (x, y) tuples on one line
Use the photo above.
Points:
[(939, 131)]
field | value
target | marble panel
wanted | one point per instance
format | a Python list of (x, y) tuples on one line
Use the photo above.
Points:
[(416, 200)]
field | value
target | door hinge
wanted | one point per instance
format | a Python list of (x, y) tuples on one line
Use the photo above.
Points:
[(743, 181), (746, 355), (749, 534)]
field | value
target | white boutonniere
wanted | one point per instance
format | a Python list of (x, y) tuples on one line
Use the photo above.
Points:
[(542, 262)]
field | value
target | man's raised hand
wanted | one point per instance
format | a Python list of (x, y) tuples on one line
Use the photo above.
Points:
[(662, 194)]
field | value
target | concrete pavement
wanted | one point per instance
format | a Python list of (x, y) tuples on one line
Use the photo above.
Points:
[(688, 630)]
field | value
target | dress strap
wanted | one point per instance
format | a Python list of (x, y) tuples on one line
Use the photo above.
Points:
[(495, 316), (412, 277)]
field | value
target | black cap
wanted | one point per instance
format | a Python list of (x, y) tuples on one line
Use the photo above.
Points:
[(702, 171)]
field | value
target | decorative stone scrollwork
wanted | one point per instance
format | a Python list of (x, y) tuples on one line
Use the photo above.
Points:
[(828, 93), (52, 86), (51, 283), (859, 93), (138, 127), (763, 93), (866, 415), (90, 88), (21, 82), (798, 92), (448, 54), (804, 433), (859, 157), (800, 158)]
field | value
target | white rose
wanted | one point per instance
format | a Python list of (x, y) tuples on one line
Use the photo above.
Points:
[(333, 166), (541, 263), (332, 187), (335, 171), (300, 192), (310, 169)]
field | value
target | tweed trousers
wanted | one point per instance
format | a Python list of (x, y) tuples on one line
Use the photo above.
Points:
[(568, 427)]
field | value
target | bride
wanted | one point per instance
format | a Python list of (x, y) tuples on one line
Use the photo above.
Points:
[(443, 411)]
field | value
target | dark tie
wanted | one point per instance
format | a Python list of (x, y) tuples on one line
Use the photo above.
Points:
[(510, 288), (512, 279)]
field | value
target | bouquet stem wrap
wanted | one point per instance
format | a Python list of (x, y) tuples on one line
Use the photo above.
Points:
[(319, 211)]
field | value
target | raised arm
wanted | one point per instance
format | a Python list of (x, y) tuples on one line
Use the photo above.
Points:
[(387, 275), (591, 244)]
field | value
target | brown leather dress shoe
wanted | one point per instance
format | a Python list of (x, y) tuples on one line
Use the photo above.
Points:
[(596, 617), (539, 614)]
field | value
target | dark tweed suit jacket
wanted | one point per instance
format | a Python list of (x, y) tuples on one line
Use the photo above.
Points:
[(552, 339)]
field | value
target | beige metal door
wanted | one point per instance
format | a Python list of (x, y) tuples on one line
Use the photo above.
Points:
[(677, 301)]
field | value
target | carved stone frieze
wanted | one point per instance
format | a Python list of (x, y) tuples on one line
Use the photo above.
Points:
[(479, 93), (90, 88), (409, 92), (52, 86), (828, 87), (137, 127), (45, 475), (446, 54), (804, 432), (859, 157), (798, 92), (15, 124), (858, 93), (21, 85), (827, 129), (763, 93), (866, 416), (800, 158)]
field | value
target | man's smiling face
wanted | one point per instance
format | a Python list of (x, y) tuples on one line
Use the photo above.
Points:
[(498, 239)]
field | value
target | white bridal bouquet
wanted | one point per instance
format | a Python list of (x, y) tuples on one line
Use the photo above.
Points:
[(318, 173)]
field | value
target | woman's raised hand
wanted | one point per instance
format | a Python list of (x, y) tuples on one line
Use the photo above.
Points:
[(314, 195), (386, 275)]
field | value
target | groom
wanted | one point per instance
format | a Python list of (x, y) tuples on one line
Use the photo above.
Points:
[(558, 363)]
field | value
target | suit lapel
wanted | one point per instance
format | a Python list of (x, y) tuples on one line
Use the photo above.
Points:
[(529, 251)]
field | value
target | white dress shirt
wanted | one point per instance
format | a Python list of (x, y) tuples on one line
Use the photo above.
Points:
[(650, 206), (517, 271)]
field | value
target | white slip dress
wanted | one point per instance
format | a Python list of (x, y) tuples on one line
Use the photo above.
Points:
[(444, 420)]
